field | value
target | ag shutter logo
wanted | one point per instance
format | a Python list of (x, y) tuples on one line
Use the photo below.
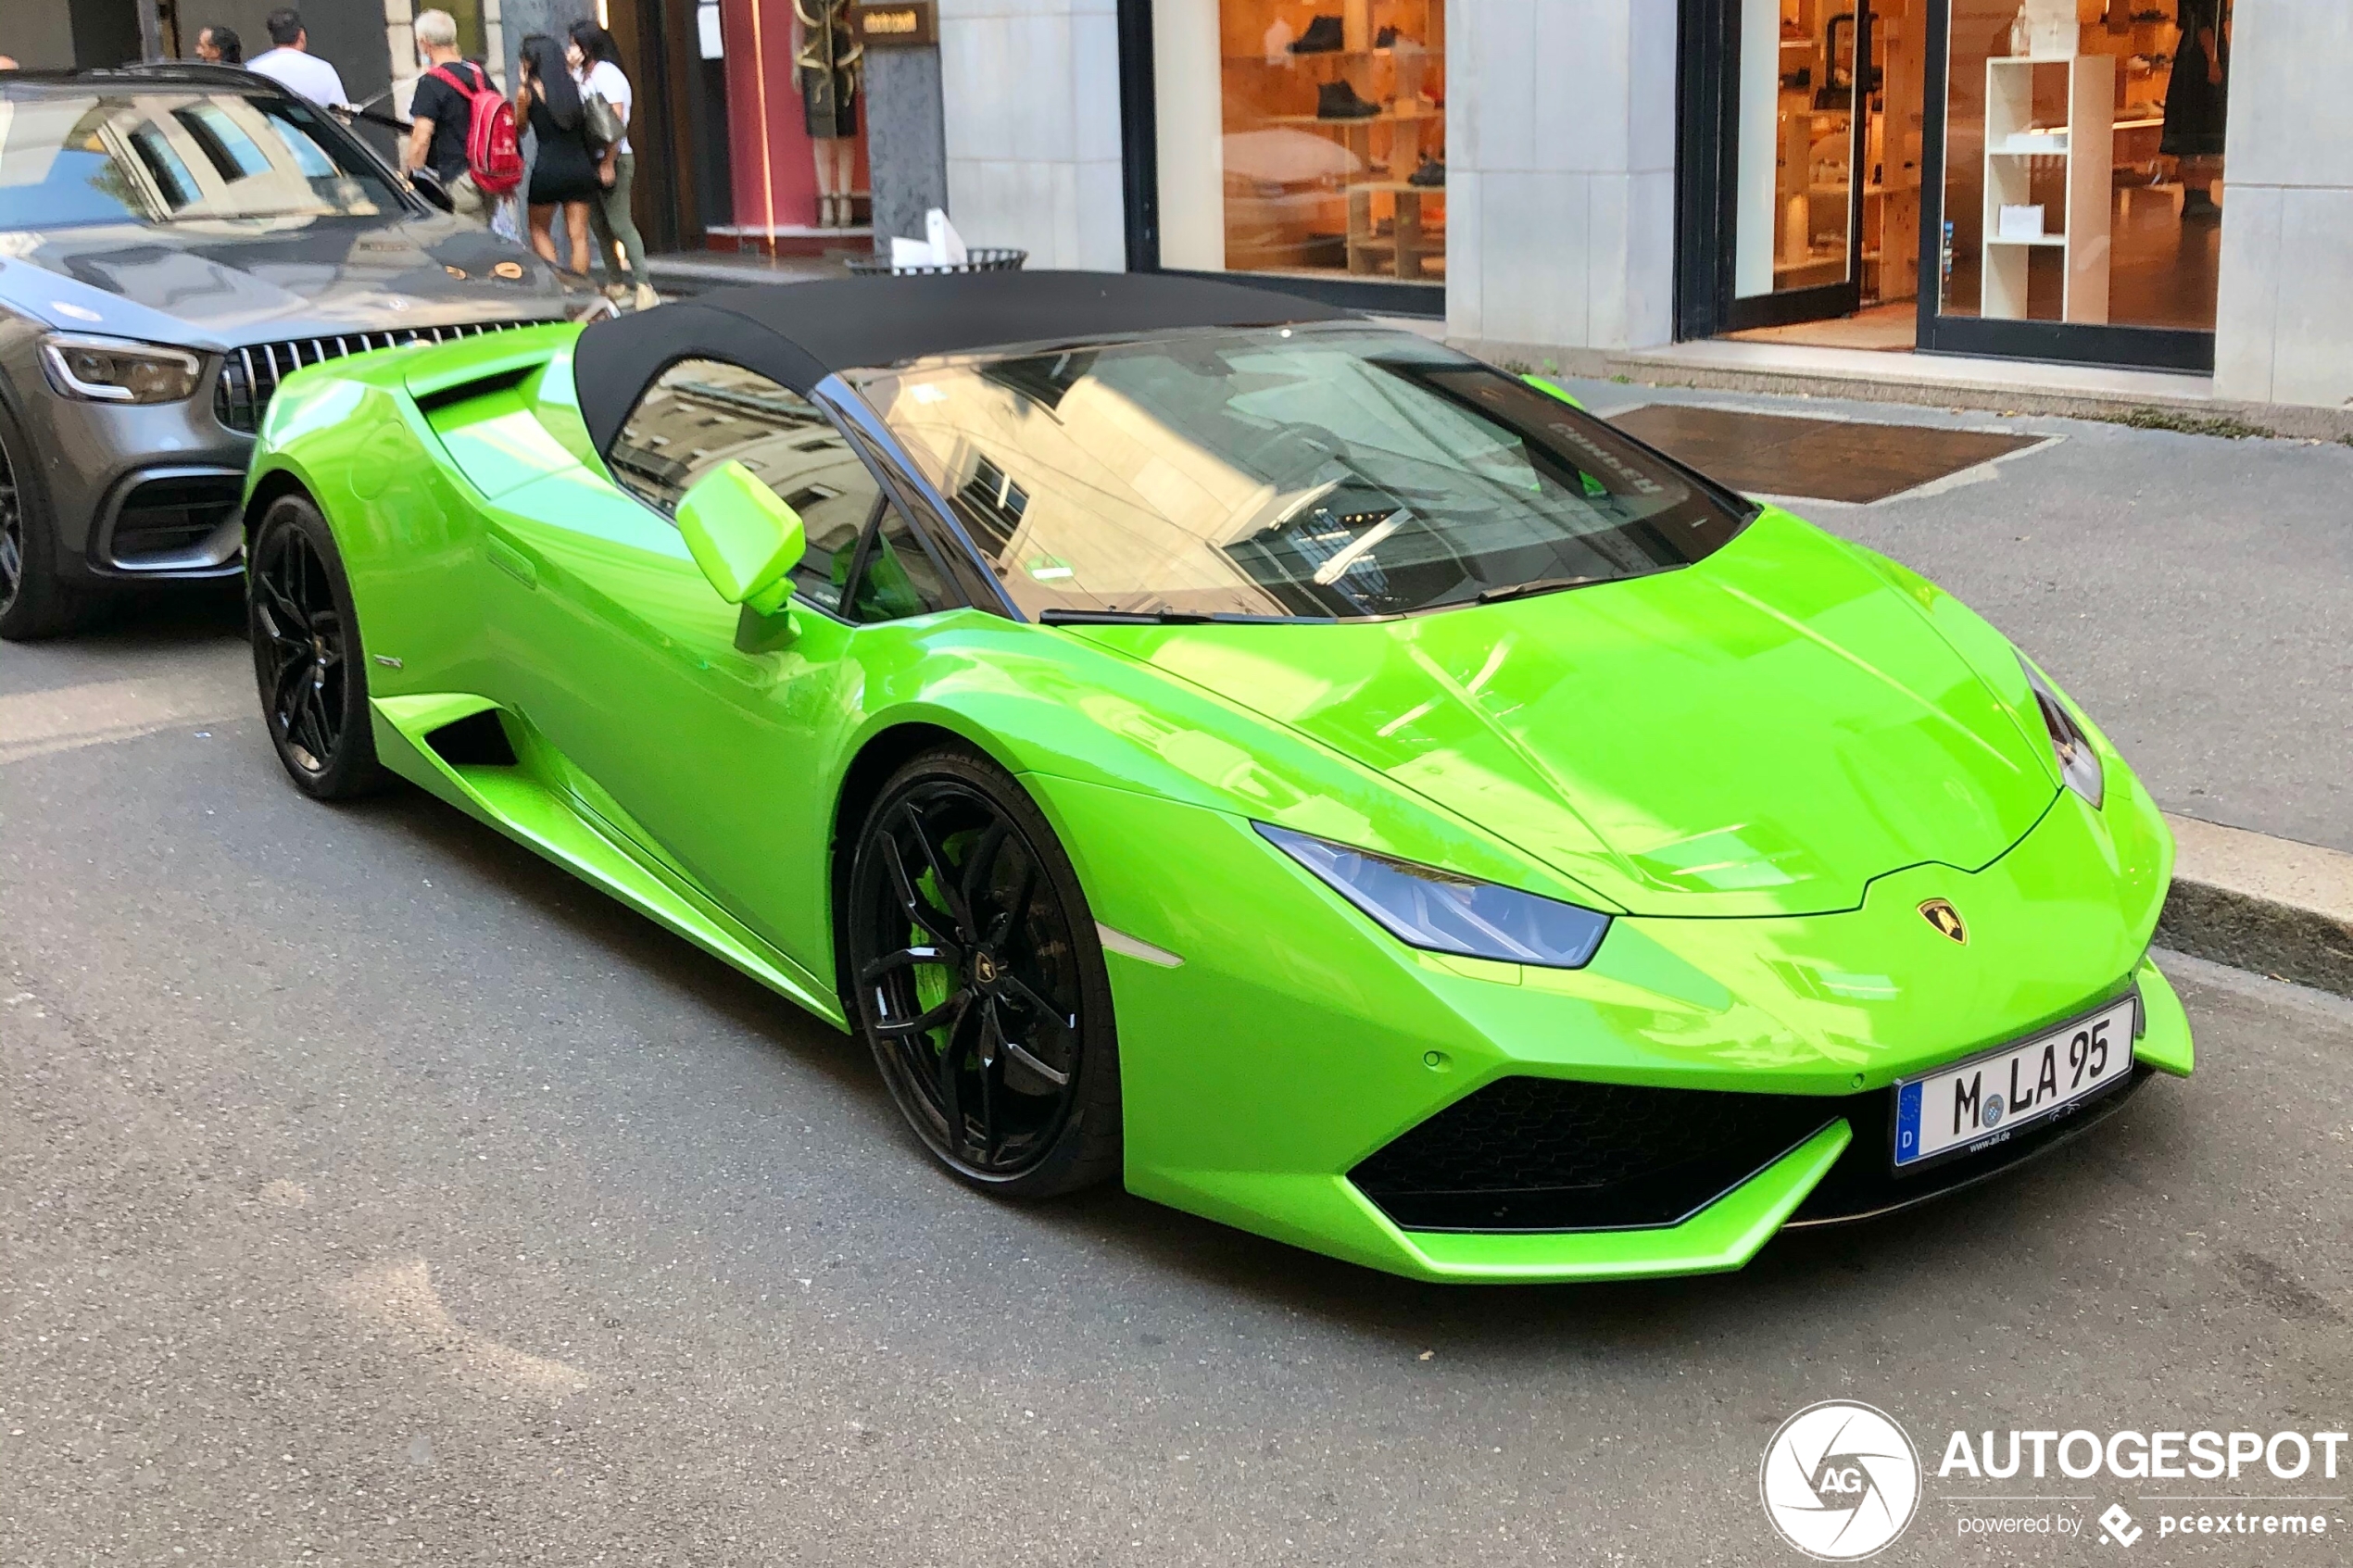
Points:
[(1840, 1481)]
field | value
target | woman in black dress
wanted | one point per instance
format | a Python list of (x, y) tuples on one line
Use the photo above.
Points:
[(2196, 100), (563, 169)]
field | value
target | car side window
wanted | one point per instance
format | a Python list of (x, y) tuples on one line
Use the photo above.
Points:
[(899, 578), (700, 413)]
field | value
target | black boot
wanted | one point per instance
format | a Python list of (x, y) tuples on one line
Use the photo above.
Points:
[(1322, 37), (1338, 100)]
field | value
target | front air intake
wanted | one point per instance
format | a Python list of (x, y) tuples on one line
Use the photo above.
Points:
[(1550, 1154)]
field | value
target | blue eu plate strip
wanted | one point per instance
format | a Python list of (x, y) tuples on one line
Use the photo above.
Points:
[(1907, 1123)]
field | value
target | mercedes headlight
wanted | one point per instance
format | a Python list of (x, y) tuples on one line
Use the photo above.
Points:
[(1423, 907), (2079, 764), (106, 370)]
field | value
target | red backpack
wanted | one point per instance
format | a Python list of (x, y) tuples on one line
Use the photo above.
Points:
[(494, 152)]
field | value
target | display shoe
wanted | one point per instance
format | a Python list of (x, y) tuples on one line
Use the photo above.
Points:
[(1429, 175), (1338, 100), (1385, 39), (1322, 37)]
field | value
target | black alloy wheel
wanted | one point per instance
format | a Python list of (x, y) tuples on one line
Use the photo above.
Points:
[(33, 602), (979, 981), (11, 534), (306, 654)]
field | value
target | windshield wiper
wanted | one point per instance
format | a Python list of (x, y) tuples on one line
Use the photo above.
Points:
[(1541, 585), (1060, 617)]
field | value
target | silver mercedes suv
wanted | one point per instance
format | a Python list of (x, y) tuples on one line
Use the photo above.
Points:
[(173, 239)]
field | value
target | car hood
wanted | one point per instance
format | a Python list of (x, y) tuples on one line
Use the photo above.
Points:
[(220, 284), (1759, 735)]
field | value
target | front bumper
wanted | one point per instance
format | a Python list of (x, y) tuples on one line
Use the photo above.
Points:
[(136, 493), (1295, 1040)]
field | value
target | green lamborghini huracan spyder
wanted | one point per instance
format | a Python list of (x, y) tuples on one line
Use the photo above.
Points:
[(1203, 737)]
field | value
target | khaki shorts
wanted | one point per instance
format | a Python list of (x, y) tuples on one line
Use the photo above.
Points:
[(466, 197)]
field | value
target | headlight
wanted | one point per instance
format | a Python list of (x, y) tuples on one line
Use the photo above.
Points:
[(2079, 764), (1426, 908), (106, 369)]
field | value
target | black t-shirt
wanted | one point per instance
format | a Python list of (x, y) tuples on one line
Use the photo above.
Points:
[(452, 115)]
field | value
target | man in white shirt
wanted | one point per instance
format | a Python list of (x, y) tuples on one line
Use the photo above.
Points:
[(293, 66)]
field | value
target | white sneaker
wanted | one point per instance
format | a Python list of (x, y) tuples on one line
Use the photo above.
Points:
[(646, 298)]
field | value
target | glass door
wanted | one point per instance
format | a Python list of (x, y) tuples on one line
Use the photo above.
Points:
[(1803, 143)]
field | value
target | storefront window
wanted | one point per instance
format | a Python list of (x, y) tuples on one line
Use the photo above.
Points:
[(1298, 139), (2083, 160)]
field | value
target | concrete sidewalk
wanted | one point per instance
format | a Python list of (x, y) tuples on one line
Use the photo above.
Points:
[(680, 274)]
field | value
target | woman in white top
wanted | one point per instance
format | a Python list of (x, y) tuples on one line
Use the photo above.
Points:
[(595, 63)]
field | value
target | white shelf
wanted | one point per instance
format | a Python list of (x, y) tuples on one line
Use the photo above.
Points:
[(2081, 167)]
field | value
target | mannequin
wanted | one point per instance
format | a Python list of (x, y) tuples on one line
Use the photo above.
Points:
[(826, 60)]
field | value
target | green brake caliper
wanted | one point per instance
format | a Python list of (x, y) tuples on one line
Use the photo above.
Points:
[(934, 982)]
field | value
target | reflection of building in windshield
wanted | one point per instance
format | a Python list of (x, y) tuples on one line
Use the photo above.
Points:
[(1275, 475), (1082, 495), (73, 158), (218, 157)]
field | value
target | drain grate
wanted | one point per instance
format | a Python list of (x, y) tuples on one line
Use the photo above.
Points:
[(1821, 459)]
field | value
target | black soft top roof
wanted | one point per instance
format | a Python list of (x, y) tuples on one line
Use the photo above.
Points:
[(799, 333)]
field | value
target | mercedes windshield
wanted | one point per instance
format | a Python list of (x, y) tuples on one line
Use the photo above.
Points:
[(77, 153)]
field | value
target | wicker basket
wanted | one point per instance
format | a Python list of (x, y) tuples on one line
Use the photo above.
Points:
[(979, 258)]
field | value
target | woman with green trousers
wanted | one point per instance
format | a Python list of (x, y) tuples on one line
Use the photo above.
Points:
[(596, 63)]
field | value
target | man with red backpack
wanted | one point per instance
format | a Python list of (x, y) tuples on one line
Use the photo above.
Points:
[(463, 129)]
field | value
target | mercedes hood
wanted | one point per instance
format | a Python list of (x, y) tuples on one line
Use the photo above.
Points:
[(226, 282)]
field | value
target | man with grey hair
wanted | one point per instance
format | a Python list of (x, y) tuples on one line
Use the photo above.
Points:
[(440, 114)]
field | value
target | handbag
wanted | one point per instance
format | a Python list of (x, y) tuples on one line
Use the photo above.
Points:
[(599, 118)]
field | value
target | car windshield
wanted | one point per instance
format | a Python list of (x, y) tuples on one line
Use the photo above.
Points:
[(1339, 470), (71, 156)]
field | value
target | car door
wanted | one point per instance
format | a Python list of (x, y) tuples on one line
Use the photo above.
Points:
[(701, 734)]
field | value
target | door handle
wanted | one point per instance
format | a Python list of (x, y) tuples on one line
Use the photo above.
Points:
[(512, 561)]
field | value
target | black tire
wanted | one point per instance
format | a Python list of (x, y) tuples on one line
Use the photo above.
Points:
[(33, 603), (309, 664), (956, 862)]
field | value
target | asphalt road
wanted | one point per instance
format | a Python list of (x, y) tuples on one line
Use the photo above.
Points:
[(2194, 594), (370, 1193)]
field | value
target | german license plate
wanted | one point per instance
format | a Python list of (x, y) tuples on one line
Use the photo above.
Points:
[(1979, 1102)]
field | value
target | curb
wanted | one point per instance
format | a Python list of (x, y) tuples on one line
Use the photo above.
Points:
[(2144, 407), (2252, 901)]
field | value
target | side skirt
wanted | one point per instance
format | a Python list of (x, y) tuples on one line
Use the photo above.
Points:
[(516, 801)]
